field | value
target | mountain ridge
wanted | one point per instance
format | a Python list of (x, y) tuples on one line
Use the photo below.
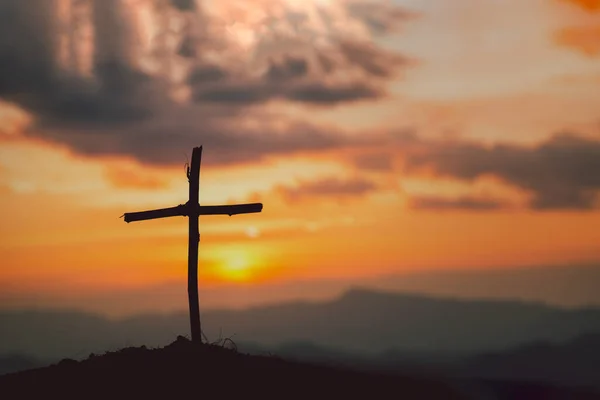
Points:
[(361, 320)]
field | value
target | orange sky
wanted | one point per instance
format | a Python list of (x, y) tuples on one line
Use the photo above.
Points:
[(440, 150)]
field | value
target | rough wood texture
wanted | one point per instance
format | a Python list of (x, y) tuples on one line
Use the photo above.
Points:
[(154, 214), (184, 211), (193, 243), (233, 209)]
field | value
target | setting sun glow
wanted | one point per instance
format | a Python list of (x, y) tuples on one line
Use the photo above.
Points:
[(235, 265)]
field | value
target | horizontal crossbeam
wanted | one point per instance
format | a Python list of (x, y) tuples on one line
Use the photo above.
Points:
[(230, 210), (180, 210), (184, 210)]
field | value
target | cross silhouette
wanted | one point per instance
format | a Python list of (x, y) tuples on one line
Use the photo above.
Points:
[(192, 209)]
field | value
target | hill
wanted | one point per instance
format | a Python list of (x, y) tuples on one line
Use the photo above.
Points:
[(185, 369), (17, 362)]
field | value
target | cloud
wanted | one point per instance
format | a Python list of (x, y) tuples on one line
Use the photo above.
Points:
[(285, 81), (311, 78), (323, 94), (328, 187), (31, 76), (113, 93), (585, 39), (290, 68), (164, 141), (463, 203), (380, 17), (589, 5), (561, 173), (583, 32), (371, 59), (125, 178), (184, 5), (374, 161)]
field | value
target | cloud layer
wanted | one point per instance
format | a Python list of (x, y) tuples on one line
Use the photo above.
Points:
[(330, 187), (561, 173), (462, 203), (149, 78), (584, 35), (93, 82)]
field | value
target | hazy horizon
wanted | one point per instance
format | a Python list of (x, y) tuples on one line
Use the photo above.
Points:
[(559, 286)]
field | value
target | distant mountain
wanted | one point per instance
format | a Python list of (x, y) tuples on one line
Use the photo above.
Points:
[(576, 363), (17, 362), (361, 321), (370, 322)]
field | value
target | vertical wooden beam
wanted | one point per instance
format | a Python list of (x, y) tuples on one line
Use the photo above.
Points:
[(194, 239)]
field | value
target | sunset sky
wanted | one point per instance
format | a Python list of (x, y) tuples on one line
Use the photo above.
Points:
[(382, 137)]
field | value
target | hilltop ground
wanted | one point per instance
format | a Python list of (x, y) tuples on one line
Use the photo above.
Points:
[(201, 371)]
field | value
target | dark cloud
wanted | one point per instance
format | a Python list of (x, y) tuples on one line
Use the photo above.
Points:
[(164, 141), (112, 34), (562, 173), (374, 161), (205, 74), (325, 62), (187, 48), (329, 187), (290, 68), (27, 50), (244, 93), (381, 18), (348, 69), (184, 5), (291, 80), (118, 99), (317, 93), (463, 203), (31, 76), (118, 109), (210, 83), (371, 59)]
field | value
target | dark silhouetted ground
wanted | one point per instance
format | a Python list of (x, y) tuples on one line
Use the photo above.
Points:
[(184, 370)]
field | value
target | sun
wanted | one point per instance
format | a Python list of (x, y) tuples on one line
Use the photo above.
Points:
[(236, 265)]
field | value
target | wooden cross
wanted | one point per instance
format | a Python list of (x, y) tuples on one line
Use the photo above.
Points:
[(192, 209)]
